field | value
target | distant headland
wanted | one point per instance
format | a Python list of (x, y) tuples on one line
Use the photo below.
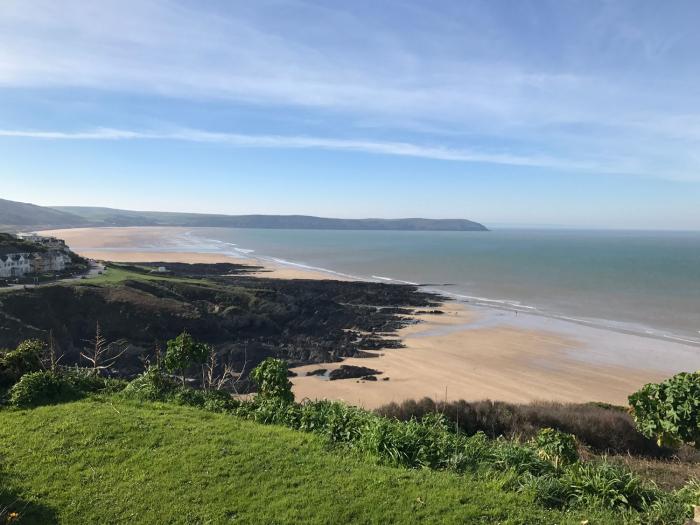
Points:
[(19, 215)]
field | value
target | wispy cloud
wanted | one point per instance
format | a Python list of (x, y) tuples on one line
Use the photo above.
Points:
[(602, 95), (404, 149)]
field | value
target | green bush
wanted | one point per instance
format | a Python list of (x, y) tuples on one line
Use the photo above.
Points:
[(184, 352), (689, 494), (152, 385), (47, 387), (510, 455), (189, 397), (669, 411), (556, 447), (42, 388), (219, 401), (272, 381), (606, 485), (24, 359)]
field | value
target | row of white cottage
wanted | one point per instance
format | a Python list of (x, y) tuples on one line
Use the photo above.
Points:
[(54, 259)]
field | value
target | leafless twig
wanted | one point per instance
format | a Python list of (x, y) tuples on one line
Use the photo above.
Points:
[(101, 353)]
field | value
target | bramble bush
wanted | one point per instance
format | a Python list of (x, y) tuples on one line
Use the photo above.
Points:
[(670, 410)]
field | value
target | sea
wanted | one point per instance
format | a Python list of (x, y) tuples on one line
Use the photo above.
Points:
[(644, 283)]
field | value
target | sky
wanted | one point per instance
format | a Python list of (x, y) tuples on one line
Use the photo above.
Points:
[(571, 113)]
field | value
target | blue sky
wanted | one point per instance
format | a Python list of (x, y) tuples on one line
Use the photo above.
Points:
[(569, 113)]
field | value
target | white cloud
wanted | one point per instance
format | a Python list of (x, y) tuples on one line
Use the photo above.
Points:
[(404, 149)]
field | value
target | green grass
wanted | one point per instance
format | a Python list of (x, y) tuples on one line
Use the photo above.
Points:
[(114, 461), (114, 274)]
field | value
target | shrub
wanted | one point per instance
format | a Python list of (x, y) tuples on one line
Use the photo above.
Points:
[(219, 401), (189, 397), (556, 447), (184, 352), (24, 359), (473, 452), (271, 378), (510, 455), (411, 444), (48, 387), (669, 411), (152, 385), (602, 428), (606, 485), (41, 388)]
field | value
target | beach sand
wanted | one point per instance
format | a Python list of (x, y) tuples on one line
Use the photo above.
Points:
[(452, 356), (164, 244), (500, 363)]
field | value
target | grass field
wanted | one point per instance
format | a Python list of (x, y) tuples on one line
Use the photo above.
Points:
[(113, 461), (114, 274)]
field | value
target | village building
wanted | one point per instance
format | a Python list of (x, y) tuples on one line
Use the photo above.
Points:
[(32, 254), (15, 264)]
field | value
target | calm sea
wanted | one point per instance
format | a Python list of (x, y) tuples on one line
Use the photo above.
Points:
[(644, 282)]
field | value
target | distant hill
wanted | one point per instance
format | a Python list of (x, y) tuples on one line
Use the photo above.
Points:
[(16, 215)]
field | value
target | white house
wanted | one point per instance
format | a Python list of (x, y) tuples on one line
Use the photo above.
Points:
[(49, 255), (15, 264)]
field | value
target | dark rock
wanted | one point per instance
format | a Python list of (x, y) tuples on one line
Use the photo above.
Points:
[(352, 372), (246, 319), (317, 372), (385, 379), (376, 343), (369, 378)]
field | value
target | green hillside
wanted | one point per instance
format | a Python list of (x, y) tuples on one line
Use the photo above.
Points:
[(20, 214), (115, 217), (114, 461)]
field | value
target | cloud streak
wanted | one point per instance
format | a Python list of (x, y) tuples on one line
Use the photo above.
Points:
[(402, 149)]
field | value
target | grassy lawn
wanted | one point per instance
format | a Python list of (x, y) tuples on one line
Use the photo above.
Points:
[(115, 274), (113, 461)]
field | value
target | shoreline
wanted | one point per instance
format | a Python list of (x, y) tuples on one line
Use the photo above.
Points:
[(132, 244), (470, 352)]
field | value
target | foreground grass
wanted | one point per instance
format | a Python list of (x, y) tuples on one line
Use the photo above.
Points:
[(113, 461)]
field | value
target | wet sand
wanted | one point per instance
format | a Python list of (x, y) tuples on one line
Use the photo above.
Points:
[(502, 363)]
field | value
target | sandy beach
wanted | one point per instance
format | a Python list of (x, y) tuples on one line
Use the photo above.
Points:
[(444, 360), (160, 244), (467, 353)]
